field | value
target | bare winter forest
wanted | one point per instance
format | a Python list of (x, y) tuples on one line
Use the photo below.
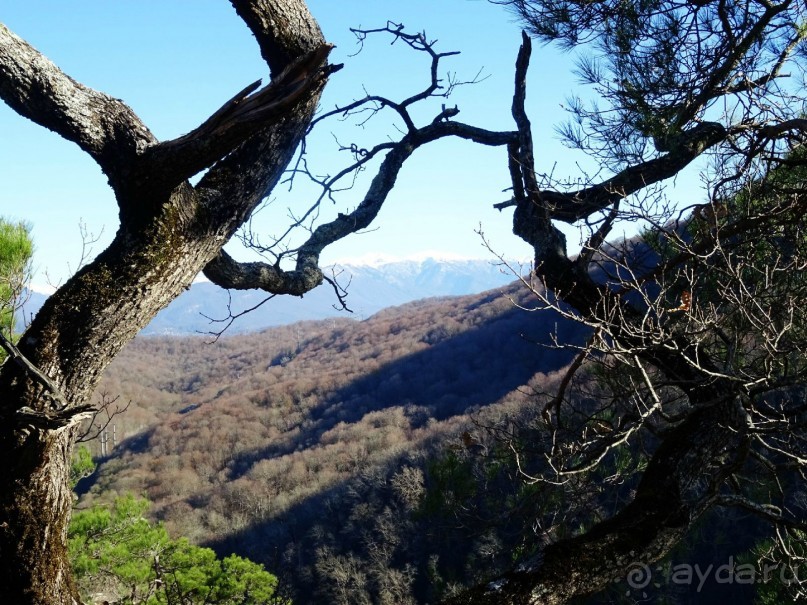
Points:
[(312, 447)]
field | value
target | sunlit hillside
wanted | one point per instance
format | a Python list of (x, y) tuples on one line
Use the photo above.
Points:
[(287, 445)]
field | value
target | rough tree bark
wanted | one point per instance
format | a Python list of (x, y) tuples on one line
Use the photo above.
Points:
[(169, 230)]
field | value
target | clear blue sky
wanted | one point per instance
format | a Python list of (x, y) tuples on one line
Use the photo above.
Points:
[(175, 62)]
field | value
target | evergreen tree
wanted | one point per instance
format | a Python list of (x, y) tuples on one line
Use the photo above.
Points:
[(16, 249), (119, 556)]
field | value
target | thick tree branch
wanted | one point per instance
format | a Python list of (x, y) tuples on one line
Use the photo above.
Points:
[(708, 445), (34, 87), (777, 130), (226, 272), (307, 274), (284, 30), (524, 153), (235, 185), (53, 420), (573, 206), (768, 512), (165, 239), (667, 503), (531, 220)]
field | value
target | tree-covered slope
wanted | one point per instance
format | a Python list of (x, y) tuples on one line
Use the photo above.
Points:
[(244, 443)]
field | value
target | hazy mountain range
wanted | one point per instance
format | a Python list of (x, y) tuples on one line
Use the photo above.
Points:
[(370, 288)]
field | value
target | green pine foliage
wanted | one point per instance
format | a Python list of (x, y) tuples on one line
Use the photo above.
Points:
[(82, 464), (16, 249), (783, 569), (119, 556)]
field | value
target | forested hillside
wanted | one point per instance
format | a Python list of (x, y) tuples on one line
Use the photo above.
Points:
[(369, 461), (305, 447)]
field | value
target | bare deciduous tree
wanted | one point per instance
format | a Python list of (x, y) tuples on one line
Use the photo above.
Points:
[(697, 327)]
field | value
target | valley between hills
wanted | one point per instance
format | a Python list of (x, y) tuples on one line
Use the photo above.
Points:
[(311, 447), (366, 461)]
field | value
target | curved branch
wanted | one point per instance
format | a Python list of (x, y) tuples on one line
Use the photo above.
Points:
[(572, 206), (227, 273), (37, 89), (235, 185), (53, 420), (361, 103), (768, 512), (662, 511), (284, 29), (777, 130)]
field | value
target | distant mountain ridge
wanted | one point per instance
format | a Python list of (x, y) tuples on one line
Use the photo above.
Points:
[(32, 301), (370, 288)]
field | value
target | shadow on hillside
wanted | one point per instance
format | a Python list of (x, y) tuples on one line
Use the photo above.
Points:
[(267, 542), (714, 543), (452, 376)]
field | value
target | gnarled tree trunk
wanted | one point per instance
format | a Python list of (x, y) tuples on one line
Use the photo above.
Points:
[(169, 231)]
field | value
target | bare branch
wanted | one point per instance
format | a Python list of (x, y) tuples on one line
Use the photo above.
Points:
[(96, 426), (769, 512), (572, 206), (227, 273)]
